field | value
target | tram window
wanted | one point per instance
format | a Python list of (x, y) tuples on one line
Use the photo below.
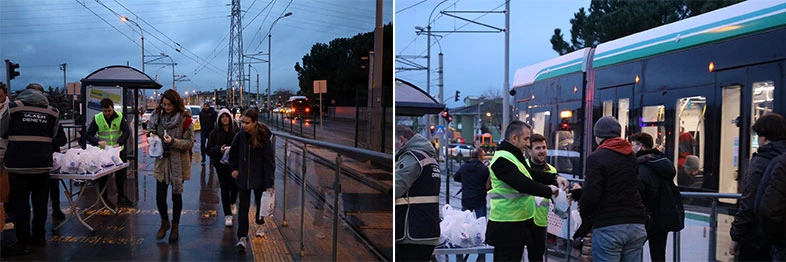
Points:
[(762, 105), (608, 106), (622, 115), (652, 123), (690, 136), (539, 121)]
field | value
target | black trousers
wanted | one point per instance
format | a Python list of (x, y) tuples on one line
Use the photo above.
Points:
[(537, 247), (177, 203), (203, 142), (508, 253), (228, 187), (245, 205), (25, 187), (54, 193), (120, 181), (410, 252), (656, 238), (750, 252)]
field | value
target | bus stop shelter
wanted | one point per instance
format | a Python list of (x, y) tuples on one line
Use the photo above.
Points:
[(121, 84)]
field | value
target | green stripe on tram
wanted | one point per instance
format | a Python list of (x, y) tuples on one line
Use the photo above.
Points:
[(559, 72), (707, 37)]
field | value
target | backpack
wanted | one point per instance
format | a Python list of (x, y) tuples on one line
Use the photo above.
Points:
[(672, 212)]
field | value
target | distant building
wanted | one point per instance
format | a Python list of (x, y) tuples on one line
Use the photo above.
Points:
[(479, 115)]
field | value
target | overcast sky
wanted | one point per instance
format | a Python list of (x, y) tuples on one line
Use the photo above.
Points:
[(88, 35), (474, 62)]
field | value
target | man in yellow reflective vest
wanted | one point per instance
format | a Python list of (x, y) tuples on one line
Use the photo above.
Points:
[(109, 127), (513, 191), (537, 164)]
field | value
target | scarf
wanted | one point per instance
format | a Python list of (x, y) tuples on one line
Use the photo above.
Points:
[(173, 126), (3, 142)]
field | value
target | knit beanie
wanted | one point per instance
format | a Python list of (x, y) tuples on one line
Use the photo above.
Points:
[(607, 127)]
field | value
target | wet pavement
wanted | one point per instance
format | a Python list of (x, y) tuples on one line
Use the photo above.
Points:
[(130, 234)]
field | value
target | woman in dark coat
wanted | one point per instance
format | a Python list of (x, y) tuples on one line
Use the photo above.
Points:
[(252, 158), (219, 141)]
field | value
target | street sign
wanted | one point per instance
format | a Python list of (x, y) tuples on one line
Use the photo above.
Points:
[(320, 86), (439, 130)]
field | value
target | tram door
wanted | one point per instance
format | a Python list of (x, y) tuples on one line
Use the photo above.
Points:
[(731, 122)]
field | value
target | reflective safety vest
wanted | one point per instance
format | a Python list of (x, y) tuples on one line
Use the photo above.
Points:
[(417, 212), (508, 204), (30, 132), (108, 133), (542, 204)]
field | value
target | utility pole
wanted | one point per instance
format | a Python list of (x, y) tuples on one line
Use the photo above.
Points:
[(506, 101), (235, 64), (378, 49)]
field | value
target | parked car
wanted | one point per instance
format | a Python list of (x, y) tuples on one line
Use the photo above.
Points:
[(463, 151), (146, 117), (195, 116)]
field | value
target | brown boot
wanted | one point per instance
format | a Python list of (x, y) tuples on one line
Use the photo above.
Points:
[(175, 233), (162, 230)]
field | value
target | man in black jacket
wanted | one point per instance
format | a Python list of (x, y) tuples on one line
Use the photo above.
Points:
[(610, 200), (473, 176), (770, 208), (109, 115), (745, 236), (207, 118), (656, 174)]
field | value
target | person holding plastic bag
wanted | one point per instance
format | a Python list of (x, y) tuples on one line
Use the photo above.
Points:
[(172, 123), (252, 159), (219, 142), (110, 129), (537, 164)]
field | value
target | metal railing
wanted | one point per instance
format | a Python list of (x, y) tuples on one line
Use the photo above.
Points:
[(676, 248), (341, 152)]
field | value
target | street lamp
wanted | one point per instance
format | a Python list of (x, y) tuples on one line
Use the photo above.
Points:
[(270, 55), (141, 33)]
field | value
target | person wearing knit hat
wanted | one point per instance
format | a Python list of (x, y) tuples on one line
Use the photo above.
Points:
[(610, 202)]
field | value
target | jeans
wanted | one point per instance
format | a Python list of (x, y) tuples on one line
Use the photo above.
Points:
[(622, 242), (243, 209), (778, 252)]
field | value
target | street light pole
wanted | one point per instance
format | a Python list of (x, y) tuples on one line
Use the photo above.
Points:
[(270, 56), (141, 33)]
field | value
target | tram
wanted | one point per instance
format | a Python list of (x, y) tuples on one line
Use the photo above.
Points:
[(695, 85)]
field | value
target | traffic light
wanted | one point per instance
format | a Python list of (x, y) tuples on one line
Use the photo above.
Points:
[(458, 94), (10, 69)]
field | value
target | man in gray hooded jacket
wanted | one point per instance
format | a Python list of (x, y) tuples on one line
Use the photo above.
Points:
[(30, 126), (417, 197)]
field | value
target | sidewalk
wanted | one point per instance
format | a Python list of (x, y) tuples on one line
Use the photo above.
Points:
[(130, 235)]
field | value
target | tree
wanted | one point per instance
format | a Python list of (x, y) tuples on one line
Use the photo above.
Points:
[(339, 62), (57, 99), (611, 19), (491, 94)]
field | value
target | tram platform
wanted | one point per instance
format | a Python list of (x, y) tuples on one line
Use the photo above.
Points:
[(130, 235)]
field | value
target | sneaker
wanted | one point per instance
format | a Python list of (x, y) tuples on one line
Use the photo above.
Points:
[(228, 221), (260, 232), (241, 244), (234, 209)]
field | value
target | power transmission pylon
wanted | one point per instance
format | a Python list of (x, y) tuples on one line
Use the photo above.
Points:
[(235, 63)]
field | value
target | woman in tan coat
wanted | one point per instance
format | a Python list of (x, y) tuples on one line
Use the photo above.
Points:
[(172, 124)]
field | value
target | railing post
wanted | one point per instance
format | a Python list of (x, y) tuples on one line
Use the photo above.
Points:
[(286, 169), (301, 125), (303, 199), (677, 248), (568, 238), (337, 190), (315, 128), (713, 229)]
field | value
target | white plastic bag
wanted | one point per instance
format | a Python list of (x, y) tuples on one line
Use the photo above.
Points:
[(267, 206), (561, 205), (154, 147), (57, 161), (114, 156), (225, 158), (72, 163)]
